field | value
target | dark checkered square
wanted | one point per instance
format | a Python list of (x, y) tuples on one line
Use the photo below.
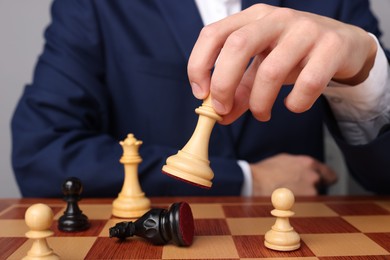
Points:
[(253, 247)]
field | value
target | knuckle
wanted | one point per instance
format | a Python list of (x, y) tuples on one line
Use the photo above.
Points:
[(209, 32), (237, 41), (306, 161), (270, 73), (315, 178), (260, 7), (305, 25), (312, 83), (284, 13), (333, 38), (283, 155)]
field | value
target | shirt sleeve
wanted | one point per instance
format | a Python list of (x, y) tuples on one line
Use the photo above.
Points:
[(247, 186), (363, 110)]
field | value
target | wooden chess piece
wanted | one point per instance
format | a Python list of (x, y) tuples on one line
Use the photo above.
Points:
[(131, 201), (282, 236), (160, 226), (39, 218), (191, 163), (73, 219)]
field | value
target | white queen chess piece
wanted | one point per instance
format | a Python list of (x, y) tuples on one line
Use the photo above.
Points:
[(131, 201)]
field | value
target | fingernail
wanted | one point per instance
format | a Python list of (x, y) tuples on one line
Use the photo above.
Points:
[(219, 107), (263, 117), (197, 90), (267, 117)]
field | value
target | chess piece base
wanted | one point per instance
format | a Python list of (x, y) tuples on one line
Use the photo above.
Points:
[(191, 163), (282, 240), (185, 167), (75, 223), (51, 256), (40, 250), (130, 207)]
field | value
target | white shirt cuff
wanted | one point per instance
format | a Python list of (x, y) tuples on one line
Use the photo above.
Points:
[(247, 187), (362, 110)]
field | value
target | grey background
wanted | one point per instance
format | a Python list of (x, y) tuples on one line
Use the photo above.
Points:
[(21, 38)]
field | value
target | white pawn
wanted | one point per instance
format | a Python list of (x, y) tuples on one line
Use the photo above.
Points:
[(282, 236), (39, 218)]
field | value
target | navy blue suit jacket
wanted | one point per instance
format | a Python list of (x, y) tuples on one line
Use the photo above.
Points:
[(110, 68)]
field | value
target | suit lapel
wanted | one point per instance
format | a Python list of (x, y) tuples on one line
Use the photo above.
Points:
[(184, 20)]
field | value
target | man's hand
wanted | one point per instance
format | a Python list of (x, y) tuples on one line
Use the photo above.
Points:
[(287, 47), (301, 174)]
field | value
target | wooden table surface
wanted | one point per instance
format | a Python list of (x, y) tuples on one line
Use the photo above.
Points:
[(349, 227)]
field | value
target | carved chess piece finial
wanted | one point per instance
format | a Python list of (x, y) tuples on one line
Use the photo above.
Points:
[(192, 163), (131, 201)]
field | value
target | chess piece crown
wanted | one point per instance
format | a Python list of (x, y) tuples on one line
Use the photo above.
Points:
[(130, 148)]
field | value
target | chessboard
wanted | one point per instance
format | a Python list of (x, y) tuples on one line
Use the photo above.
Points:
[(225, 228)]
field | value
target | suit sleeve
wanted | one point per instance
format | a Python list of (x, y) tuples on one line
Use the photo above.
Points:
[(61, 125), (368, 163)]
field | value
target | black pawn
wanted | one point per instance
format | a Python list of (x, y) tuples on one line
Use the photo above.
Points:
[(73, 219), (160, 226)]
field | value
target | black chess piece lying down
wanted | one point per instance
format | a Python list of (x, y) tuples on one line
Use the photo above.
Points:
[(160, 226)]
